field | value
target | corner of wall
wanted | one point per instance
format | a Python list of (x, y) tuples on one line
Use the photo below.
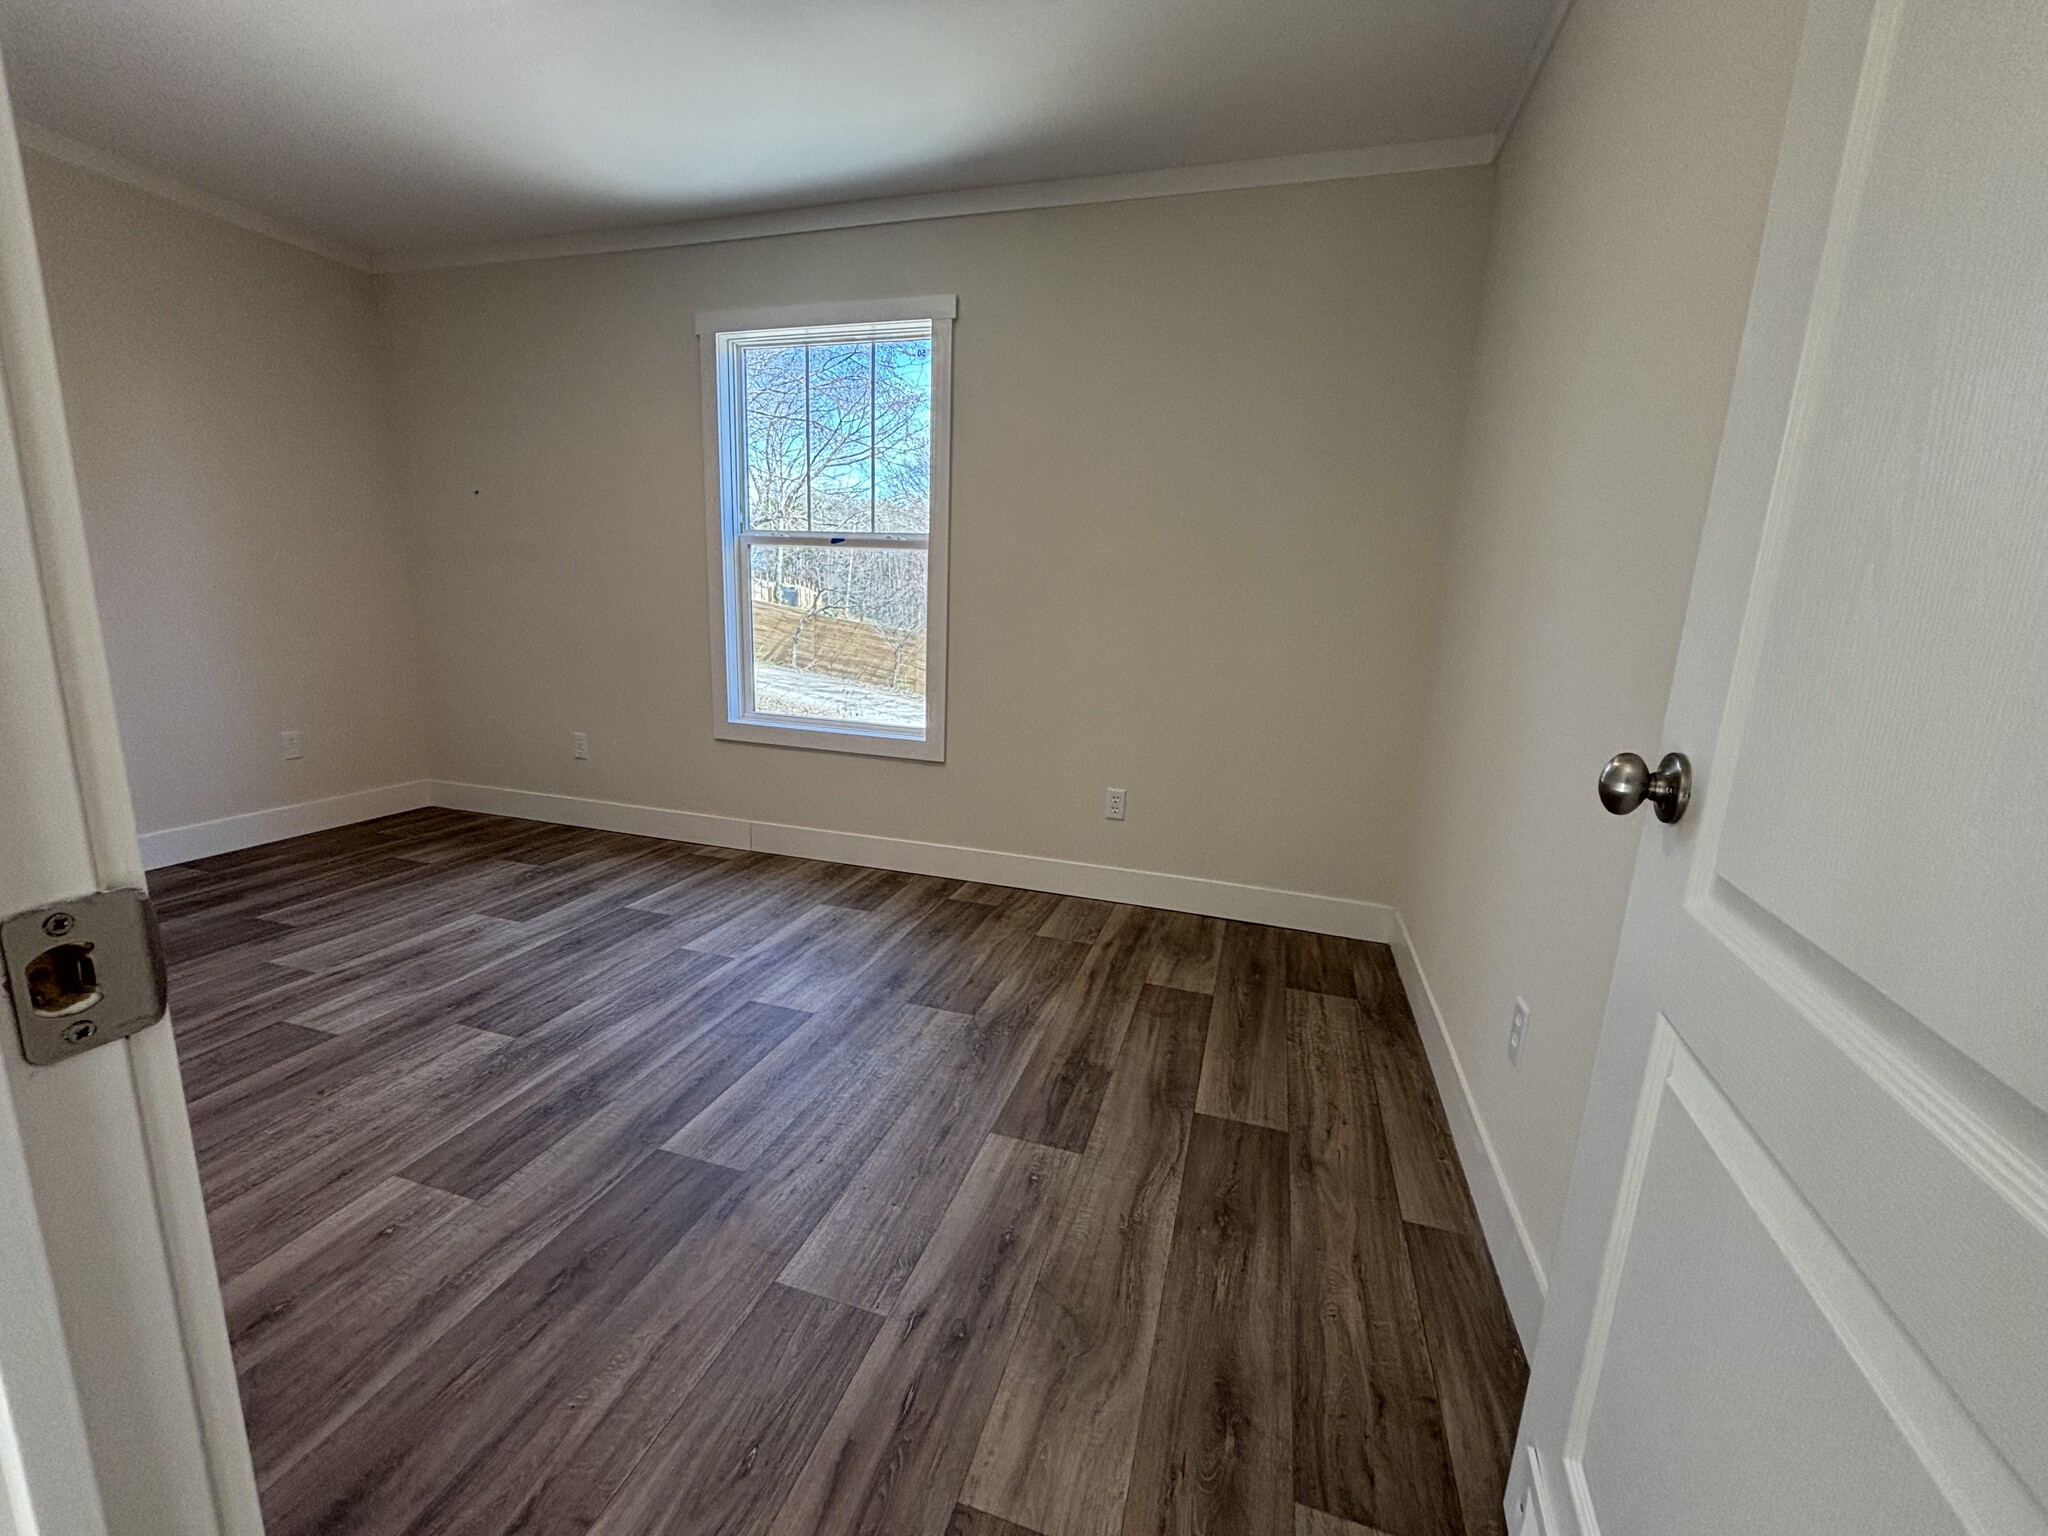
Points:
[(227, 399), (428, 706), (1514, 1255), (1630, 199)]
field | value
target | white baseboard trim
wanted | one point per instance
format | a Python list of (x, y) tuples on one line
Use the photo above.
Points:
[(202, 839), (1064, 877), (599, 815), (1102, 882), (1500, 1219), (1529, 1501)]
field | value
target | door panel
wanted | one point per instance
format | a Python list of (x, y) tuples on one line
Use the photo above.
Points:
[(1880, 758), (1803, 1280), (1747, 1376), (1941, 1211)]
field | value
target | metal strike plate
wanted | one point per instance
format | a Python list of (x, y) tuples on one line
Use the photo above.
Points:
[(83, 972)]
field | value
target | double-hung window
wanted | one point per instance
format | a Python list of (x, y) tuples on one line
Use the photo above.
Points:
[(826, 432)]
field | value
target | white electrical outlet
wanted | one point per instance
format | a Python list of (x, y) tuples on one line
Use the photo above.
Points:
[(1518, 1026), (579, 744), (294, 748), (1113, 805)]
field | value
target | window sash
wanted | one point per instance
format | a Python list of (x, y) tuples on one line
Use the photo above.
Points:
[(743, 546), (771, 339)]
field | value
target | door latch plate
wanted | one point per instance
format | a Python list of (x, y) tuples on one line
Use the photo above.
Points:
[(83, 972)]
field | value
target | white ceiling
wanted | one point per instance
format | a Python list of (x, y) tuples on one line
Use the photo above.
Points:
[(392, 125)]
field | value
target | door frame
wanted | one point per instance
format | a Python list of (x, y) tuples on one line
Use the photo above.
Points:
[(120, 1410)]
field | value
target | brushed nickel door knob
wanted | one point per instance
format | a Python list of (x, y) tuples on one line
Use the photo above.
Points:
[(1626, 782)]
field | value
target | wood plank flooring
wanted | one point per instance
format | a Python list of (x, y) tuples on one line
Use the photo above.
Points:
[(568, 1182)]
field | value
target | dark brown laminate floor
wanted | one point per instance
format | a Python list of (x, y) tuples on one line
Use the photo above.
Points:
[(571, 1182)]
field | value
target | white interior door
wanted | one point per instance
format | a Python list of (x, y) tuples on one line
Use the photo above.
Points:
[(117, 1395), (1803, 1284)]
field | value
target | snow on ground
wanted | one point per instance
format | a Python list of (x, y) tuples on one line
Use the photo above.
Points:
[(821, 696)]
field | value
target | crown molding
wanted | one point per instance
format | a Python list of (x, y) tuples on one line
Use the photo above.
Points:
[(57, 146), (1235, 175), (1332, 165)]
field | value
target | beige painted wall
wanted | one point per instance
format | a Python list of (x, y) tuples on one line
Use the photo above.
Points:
[(1631, 204), (1204, 448), (233, 447)]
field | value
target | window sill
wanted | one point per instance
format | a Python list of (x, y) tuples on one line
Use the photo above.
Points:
[(825, 737)]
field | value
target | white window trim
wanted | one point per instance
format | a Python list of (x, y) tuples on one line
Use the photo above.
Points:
[(719, 333)]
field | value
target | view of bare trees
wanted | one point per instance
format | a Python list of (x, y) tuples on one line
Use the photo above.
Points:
[(838, 441), (839, 437)]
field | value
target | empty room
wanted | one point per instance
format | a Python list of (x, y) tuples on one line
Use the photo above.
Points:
[(1024, 768)]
